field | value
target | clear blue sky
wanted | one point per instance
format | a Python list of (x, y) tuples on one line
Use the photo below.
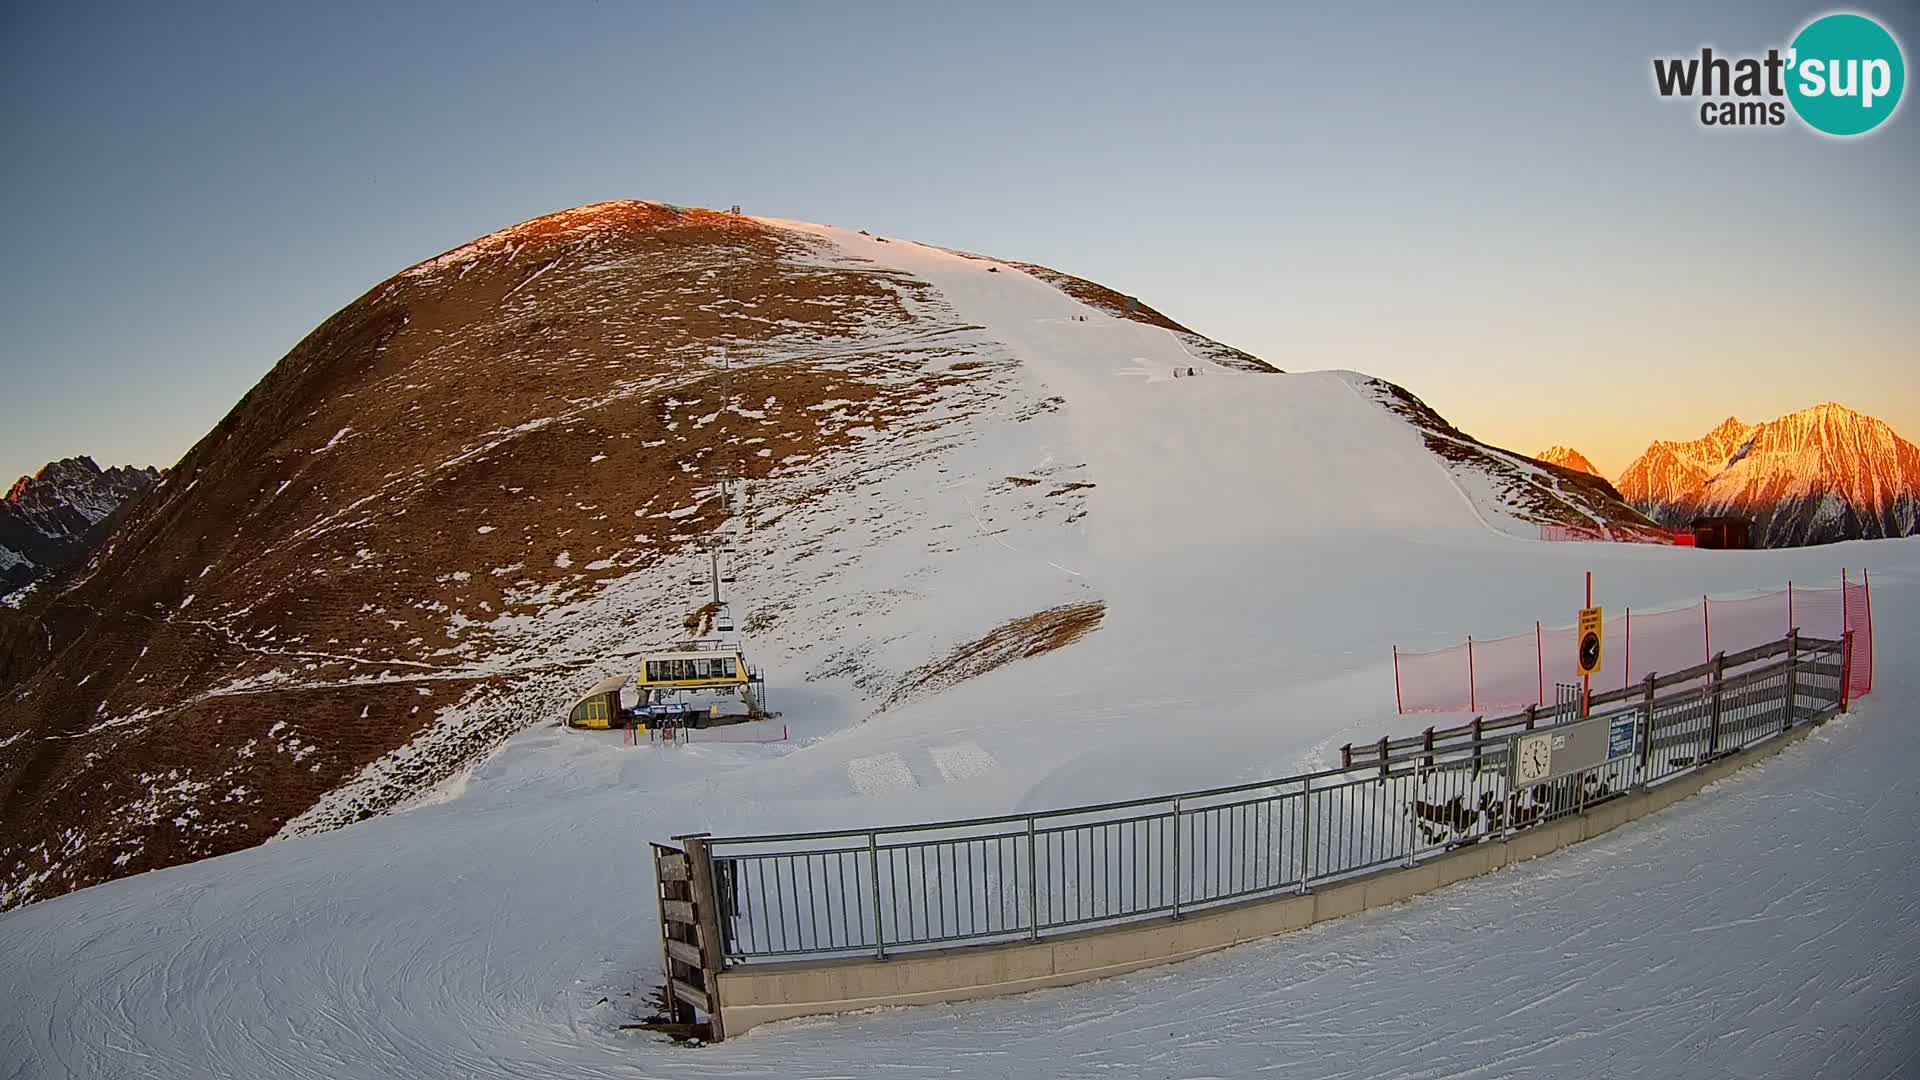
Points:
[(1489, 204)]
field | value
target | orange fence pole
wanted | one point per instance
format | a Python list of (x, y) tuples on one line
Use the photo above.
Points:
[(1586, 681), (1867, 584), (1473, 694), (1706, 627), (1397, 707), (1540, 664)]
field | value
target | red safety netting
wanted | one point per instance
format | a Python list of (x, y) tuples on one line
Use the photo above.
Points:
[(1830, 612), (1507, 671), (1433, 681), (1743, 624), (1619, 534), (1819, 612), (1859, 606), (1514, 672)]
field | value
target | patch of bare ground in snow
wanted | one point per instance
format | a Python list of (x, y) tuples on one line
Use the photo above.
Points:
[(1031, 635)]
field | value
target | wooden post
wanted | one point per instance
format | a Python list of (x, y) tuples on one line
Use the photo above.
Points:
[(1476, 745), (1713, 728), (1532, 711), (1429, 746), (690, 934), (1383, 757), (670, 883), (1793, 676), (706, 914), (1346, 756)]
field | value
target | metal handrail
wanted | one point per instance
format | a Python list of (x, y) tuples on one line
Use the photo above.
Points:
[(1369, 753), (1021, 876), (1811, 645)]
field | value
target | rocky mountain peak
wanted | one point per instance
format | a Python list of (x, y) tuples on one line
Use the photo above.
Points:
[(1567, 457), (1820, 474)]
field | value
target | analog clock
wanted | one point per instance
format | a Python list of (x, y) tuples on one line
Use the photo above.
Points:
[(1533, 758)]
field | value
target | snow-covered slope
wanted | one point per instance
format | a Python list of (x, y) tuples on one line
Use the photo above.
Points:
[(497, 931), (478, 489), (1821, 474), (1253, 542), (56, 516)]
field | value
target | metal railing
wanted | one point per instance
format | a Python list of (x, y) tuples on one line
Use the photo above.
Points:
[(1482, 728), (1027, 876)]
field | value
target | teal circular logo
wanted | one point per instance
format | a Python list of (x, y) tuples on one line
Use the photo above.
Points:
[(1845, 74)]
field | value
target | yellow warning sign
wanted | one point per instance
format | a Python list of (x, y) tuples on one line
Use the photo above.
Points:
[(1592, 643)]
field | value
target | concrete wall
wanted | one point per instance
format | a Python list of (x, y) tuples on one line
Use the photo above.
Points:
[(761, 993)]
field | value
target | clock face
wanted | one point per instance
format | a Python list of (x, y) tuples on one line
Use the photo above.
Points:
[(1533, 758)]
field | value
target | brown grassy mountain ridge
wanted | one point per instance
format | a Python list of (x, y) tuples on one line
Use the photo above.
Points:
[(476, 489)]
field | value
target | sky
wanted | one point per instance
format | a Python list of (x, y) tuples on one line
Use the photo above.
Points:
[(1486, 203)]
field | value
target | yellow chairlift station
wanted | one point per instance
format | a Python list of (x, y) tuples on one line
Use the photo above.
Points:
[(699, 666), (600, 709), (697, 663)]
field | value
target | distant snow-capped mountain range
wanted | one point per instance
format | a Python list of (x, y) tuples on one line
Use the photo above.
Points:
[(56, 516), (1819, 475)]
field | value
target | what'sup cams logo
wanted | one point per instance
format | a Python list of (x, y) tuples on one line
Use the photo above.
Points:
[(1842, 76)]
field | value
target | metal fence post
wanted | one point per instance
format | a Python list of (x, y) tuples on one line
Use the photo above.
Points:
[(1846, 660), (1713, 729), (1413, 832), (873, 866), (1793, 677), (1176, 856), (1306, 826), (1033, 885), (1646, 736)]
